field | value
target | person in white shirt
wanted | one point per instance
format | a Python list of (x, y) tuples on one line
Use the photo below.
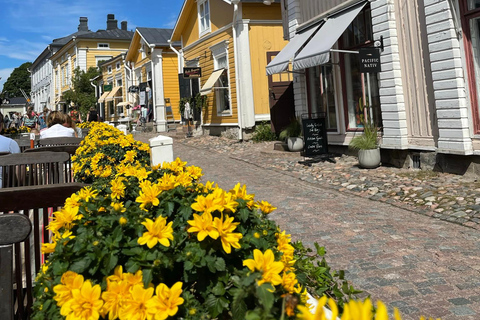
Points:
[(55, 129)]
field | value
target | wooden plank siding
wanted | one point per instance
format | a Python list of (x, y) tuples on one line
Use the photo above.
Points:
[(312, 8), (170, 81), (203, 53), (416, 73), (263, 39)]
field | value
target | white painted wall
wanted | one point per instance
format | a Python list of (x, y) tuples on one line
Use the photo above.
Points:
[(451, 102)]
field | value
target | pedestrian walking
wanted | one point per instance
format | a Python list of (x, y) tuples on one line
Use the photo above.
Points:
[(30, 119), (92, 114)]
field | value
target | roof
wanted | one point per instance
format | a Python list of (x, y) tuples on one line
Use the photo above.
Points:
[(113, 34), (16, 101), (64, 40), (158, 37)]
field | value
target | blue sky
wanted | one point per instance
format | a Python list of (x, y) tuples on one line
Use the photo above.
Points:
[(28, 26)]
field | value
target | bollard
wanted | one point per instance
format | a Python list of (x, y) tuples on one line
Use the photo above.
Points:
[(161, 150)]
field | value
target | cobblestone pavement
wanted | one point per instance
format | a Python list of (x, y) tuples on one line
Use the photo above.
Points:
[(397, 249)]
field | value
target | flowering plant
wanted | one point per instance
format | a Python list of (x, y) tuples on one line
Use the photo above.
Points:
[(155, 243), (137, 107)]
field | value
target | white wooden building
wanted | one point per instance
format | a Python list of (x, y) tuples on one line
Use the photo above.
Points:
[(426, 97)]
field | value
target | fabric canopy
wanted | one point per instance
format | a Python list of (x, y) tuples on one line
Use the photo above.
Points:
[(125, 103), (281, 61), (112, 93), (208, 86), (317, 50), (103, 96)]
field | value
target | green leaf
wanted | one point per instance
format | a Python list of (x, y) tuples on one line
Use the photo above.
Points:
[(320, 250), (220, 264), (111, 262), (81, 265), (252, 315), (265, 296), (219, 289), (239, 307), (216, 305), (147, 277), (170, 206), (244, 214), (188, 265)]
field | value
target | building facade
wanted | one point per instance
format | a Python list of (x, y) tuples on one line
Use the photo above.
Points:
[(230, 43), (84, 51), (151, 66), (42, 91), (425, 98)]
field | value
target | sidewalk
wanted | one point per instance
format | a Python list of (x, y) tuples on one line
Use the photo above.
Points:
[(442, 196)]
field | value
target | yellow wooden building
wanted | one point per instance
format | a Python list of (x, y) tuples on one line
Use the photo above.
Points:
[(151, 66), (231, 42), (113, 99), (87, 50)]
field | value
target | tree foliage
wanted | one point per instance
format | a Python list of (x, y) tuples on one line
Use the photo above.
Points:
[(18, 79), (83, 93)]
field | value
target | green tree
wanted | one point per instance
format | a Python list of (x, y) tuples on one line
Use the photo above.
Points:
[(83, 93), (18, 79)]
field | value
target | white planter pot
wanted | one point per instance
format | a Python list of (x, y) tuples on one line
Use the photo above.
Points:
[(295, 143), (369, 158)]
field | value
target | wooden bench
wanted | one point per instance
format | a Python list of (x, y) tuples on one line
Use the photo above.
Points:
[(35, 168), (35, 203), (14, 228), (59, 141)]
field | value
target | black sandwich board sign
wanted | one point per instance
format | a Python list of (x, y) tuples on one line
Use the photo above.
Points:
[(314, 134), (369, 60)]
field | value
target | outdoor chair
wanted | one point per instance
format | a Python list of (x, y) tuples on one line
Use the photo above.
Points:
[(35, 204), (35, 168), (59, 141)]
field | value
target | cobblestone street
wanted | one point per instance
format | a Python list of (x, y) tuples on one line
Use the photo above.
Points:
[(403, 254)]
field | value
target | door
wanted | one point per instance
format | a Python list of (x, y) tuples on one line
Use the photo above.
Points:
[(282, 103)]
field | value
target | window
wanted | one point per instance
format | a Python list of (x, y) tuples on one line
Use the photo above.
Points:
[(203, 17), (119, 82), (109, 69), (359, 34), (62, 71), (99, 59), (222, 92), (470, 13), (103, 45), (322, 93), (117, 65)]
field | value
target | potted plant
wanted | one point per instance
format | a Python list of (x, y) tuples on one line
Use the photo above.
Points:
[(292, 134), (367, 143)]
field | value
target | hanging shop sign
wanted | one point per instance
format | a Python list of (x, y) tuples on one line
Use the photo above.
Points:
[(192, 72), (369, 60), (107, 87)]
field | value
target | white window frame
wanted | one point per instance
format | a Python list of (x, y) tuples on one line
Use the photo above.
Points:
[(117, 79), (204, 23), (219, 51), (109, 68), (117, 65), (103, 45)]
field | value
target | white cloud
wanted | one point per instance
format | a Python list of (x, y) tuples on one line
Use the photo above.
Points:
[(22, 49), (4, 74)]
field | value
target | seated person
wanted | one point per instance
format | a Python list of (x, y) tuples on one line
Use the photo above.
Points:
[(69, 123), (56, 128)]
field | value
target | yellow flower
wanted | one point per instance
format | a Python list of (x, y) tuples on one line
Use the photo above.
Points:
[(256, 235), (241, 193), (64, 218), (265, 207), (86, 303), (135, 308), (122, 221), (266, 264), (117, 188), (225, 230), (158, 232), (130, 155), (87, 193), (194, 172), (114, 297), (118, 206), (166, 301), (203, 225), (48, 247), (72, 201), (206, 204), (290, 282), (70, 280), (149, 196)]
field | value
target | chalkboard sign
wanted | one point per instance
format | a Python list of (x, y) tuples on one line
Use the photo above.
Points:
[(314, 136)]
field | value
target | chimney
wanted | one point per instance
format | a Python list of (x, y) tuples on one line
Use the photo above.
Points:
[(124, 25), (111, 22), (83, 26)]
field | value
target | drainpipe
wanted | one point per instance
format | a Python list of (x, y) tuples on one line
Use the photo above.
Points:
[(179, 56), (154, 92), (234, 35)]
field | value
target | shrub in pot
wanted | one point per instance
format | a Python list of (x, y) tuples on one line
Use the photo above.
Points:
[(292, 134)]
